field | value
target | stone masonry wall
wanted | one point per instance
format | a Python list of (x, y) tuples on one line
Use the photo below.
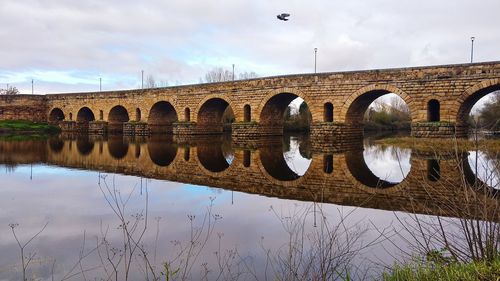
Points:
[(453, 86), (23, 107)]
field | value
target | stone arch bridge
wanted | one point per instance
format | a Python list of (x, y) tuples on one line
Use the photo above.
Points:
[(439, 99)]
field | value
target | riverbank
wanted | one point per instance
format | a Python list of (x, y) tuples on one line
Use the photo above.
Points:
[(440, 144), (431, 271), (26, 128)]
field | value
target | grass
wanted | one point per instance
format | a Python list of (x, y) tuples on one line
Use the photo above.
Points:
[(435, 271), (23, 137), (22, 126), (428, 144)]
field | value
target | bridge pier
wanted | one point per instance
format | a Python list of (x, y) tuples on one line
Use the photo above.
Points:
[(135, 129), (100, 128), (336, 132), (184, 128), (436, 130), (74, 126), (252, 130)]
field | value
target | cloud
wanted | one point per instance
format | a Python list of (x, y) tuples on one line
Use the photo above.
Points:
[(179, 41)]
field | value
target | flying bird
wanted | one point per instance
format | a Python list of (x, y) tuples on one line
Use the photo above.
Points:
[(283, 17)]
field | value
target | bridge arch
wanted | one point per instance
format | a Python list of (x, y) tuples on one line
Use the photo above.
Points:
[(463, 105), (116, 117), (357, 103), (85, 114), (56, 115), (211, 112), (271, 110), (161, 117)]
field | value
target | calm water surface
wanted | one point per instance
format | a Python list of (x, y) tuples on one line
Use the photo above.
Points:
[(241, 203)]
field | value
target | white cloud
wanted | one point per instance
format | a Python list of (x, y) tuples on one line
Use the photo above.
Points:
[(74, 43)]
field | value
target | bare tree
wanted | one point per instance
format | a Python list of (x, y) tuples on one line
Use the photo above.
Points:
[(248, 75), (151, 82), (218, 74), (9, 91)]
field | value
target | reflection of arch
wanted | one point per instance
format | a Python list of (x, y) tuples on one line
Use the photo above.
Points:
[(137, 150), (212, 158), (56, 115), (464, 104), (210, 114), (274, 163), (473, 180), (56, 145), (117, 147), (359, 170), (85, 114), (433, 111), (187, 153), (161, 117), (247, 158), (84, 146), (356, 104), (433, 170), (117, 116), (328, 163), (161, 151)]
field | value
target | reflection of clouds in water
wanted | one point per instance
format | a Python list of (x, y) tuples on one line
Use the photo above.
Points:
[(73, 204), (295, 161), (388, 163), (229, 158), (488, 168)]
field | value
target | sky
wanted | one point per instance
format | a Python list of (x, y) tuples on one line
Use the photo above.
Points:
[(66, 46)]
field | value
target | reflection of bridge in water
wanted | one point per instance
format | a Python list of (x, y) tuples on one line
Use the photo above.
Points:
[(335, 175)]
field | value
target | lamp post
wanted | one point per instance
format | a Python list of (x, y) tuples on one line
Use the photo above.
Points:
[(142, 79), (315, 55), (233, 71), (100, 84), (32, 87), (472, 49)]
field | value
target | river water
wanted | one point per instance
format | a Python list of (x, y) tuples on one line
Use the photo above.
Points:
[(215, 209)]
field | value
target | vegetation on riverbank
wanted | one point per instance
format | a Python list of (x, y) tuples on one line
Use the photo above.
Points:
[(383, 116), (441, 271), (10, 127), (431, 144), (297, 120)]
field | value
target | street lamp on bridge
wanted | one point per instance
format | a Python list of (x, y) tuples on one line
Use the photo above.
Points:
[(472, 49), (315, 55)]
